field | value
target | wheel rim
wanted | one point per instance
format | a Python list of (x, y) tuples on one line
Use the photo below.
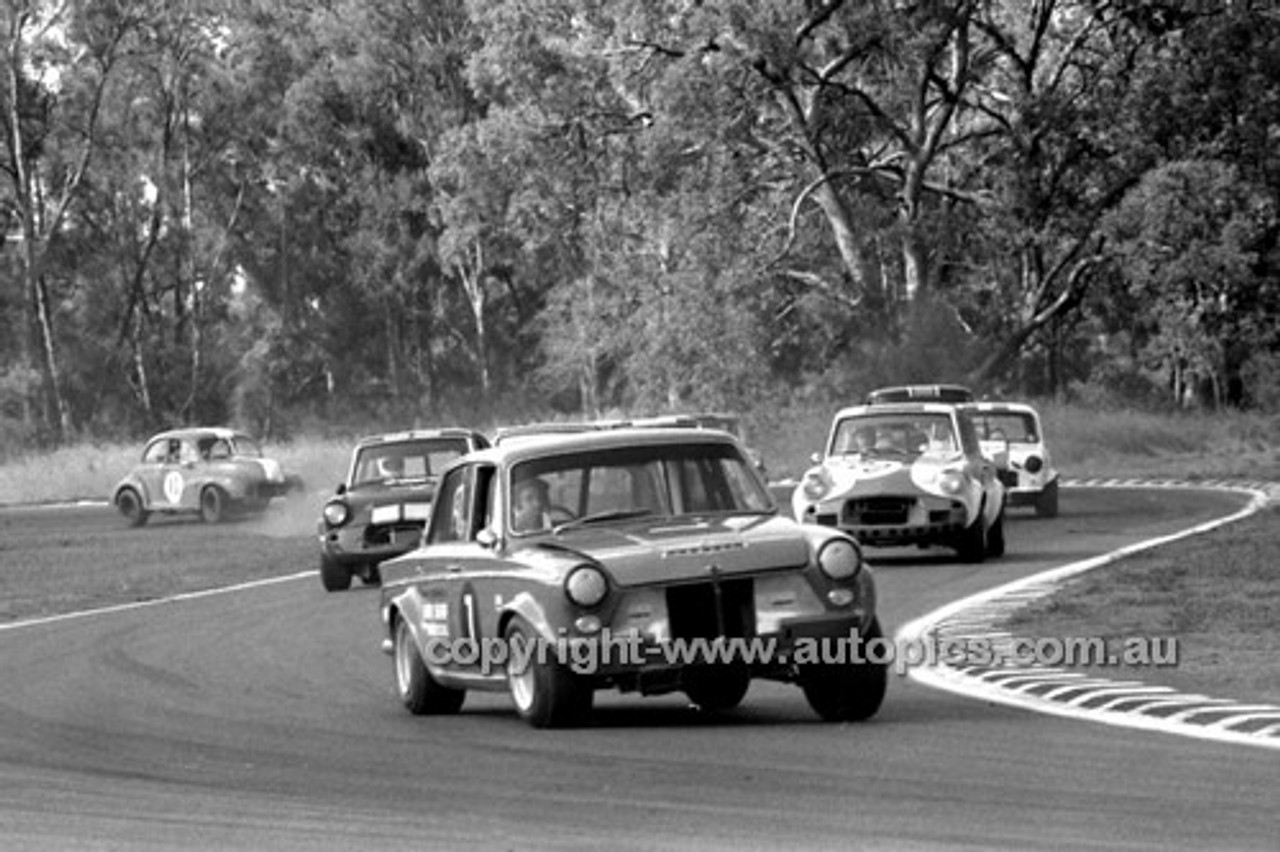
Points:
[(521, 683), (210, 503), (404, 662)]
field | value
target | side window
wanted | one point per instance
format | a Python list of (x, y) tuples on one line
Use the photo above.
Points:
[(156, 453), (188, 452), (449, 515)]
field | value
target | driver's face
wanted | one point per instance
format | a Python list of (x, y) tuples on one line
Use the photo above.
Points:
[(528, 506)]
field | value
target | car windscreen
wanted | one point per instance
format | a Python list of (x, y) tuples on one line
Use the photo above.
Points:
[(1014, 427), (662, 479), (407, 460), (893, 433)]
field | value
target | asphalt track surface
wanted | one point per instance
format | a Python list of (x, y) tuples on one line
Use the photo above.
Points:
[(264, 719)]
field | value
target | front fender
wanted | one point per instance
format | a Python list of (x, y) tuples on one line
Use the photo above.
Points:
[(527, 607)]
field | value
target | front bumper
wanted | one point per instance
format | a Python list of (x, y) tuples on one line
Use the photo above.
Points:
[(368, 543), (894, 520)]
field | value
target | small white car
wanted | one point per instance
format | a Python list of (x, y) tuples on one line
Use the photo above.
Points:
[(906, 473), (1011, 434)]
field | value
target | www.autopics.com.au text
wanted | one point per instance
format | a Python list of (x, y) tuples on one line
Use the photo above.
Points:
[(606, 650)]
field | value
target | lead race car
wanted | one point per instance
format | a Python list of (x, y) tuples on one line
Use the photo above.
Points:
[(907, 473), (642, 551)]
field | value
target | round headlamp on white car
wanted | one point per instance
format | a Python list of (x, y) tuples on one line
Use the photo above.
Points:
[(336, 513), (586, 586), (839, 559), (1033, 464), (816, 485), (951, 482)]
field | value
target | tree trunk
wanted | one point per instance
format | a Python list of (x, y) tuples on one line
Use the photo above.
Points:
[(473, 285), (48, 351)]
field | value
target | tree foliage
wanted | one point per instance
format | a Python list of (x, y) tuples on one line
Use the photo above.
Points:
[(285, 213)]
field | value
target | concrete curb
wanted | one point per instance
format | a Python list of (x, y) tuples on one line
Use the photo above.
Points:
[(1059, 692)]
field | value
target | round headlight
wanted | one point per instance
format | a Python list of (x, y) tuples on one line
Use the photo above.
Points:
[(839, 559), (1033, 464), (815, 485), (951, 482), (586, 585), (336, 513)]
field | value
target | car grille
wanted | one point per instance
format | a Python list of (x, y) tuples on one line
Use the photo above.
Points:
[(697, 610), (406, 533), (1008, 478), (878, 511)]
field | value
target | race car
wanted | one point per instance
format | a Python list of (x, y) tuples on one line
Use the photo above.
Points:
[(628, 559), (907, 473), (379, 510), (212, 472), (1010, 432)]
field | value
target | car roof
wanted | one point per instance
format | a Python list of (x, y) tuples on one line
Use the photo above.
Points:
[(549, 444), (998, 407), (524, 431), (898, 408), (199, 432), (922, 393), (417, 435)]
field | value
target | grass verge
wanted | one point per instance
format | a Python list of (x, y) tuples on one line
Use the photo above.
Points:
[(1217, 595)]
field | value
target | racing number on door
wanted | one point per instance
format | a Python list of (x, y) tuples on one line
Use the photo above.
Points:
[(468, 614), (173, 486)]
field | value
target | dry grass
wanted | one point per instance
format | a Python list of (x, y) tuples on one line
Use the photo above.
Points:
[(1218, 594)]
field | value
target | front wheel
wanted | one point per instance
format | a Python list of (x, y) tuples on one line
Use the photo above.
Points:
[(333, 575), (417, 690), (847, 691), (1047, 502), (972, 544), (130, 506), (547, 694), (213, 504), (995, 537)]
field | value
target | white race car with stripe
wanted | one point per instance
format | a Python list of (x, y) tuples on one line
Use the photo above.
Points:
[(909, 473)]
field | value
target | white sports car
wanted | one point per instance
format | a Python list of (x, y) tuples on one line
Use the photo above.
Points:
[(1028, 473), (909, 473)]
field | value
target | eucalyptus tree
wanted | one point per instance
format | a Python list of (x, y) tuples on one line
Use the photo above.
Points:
[(59, 61)]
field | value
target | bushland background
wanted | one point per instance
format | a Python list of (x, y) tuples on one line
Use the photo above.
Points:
[(319, 219)]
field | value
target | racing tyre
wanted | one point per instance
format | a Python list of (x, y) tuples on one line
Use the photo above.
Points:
[(1047, 502), (130, 505), (847, 692), (417, 690), (995, 537), (546, 693), (717, 688), (213, 504), (333, 575), (972, 545)]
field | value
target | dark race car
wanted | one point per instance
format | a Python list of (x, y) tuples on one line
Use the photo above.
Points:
[(380, 509)]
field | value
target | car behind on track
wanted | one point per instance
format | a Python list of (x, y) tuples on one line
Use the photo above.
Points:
[(379, 510), (213, 472)]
